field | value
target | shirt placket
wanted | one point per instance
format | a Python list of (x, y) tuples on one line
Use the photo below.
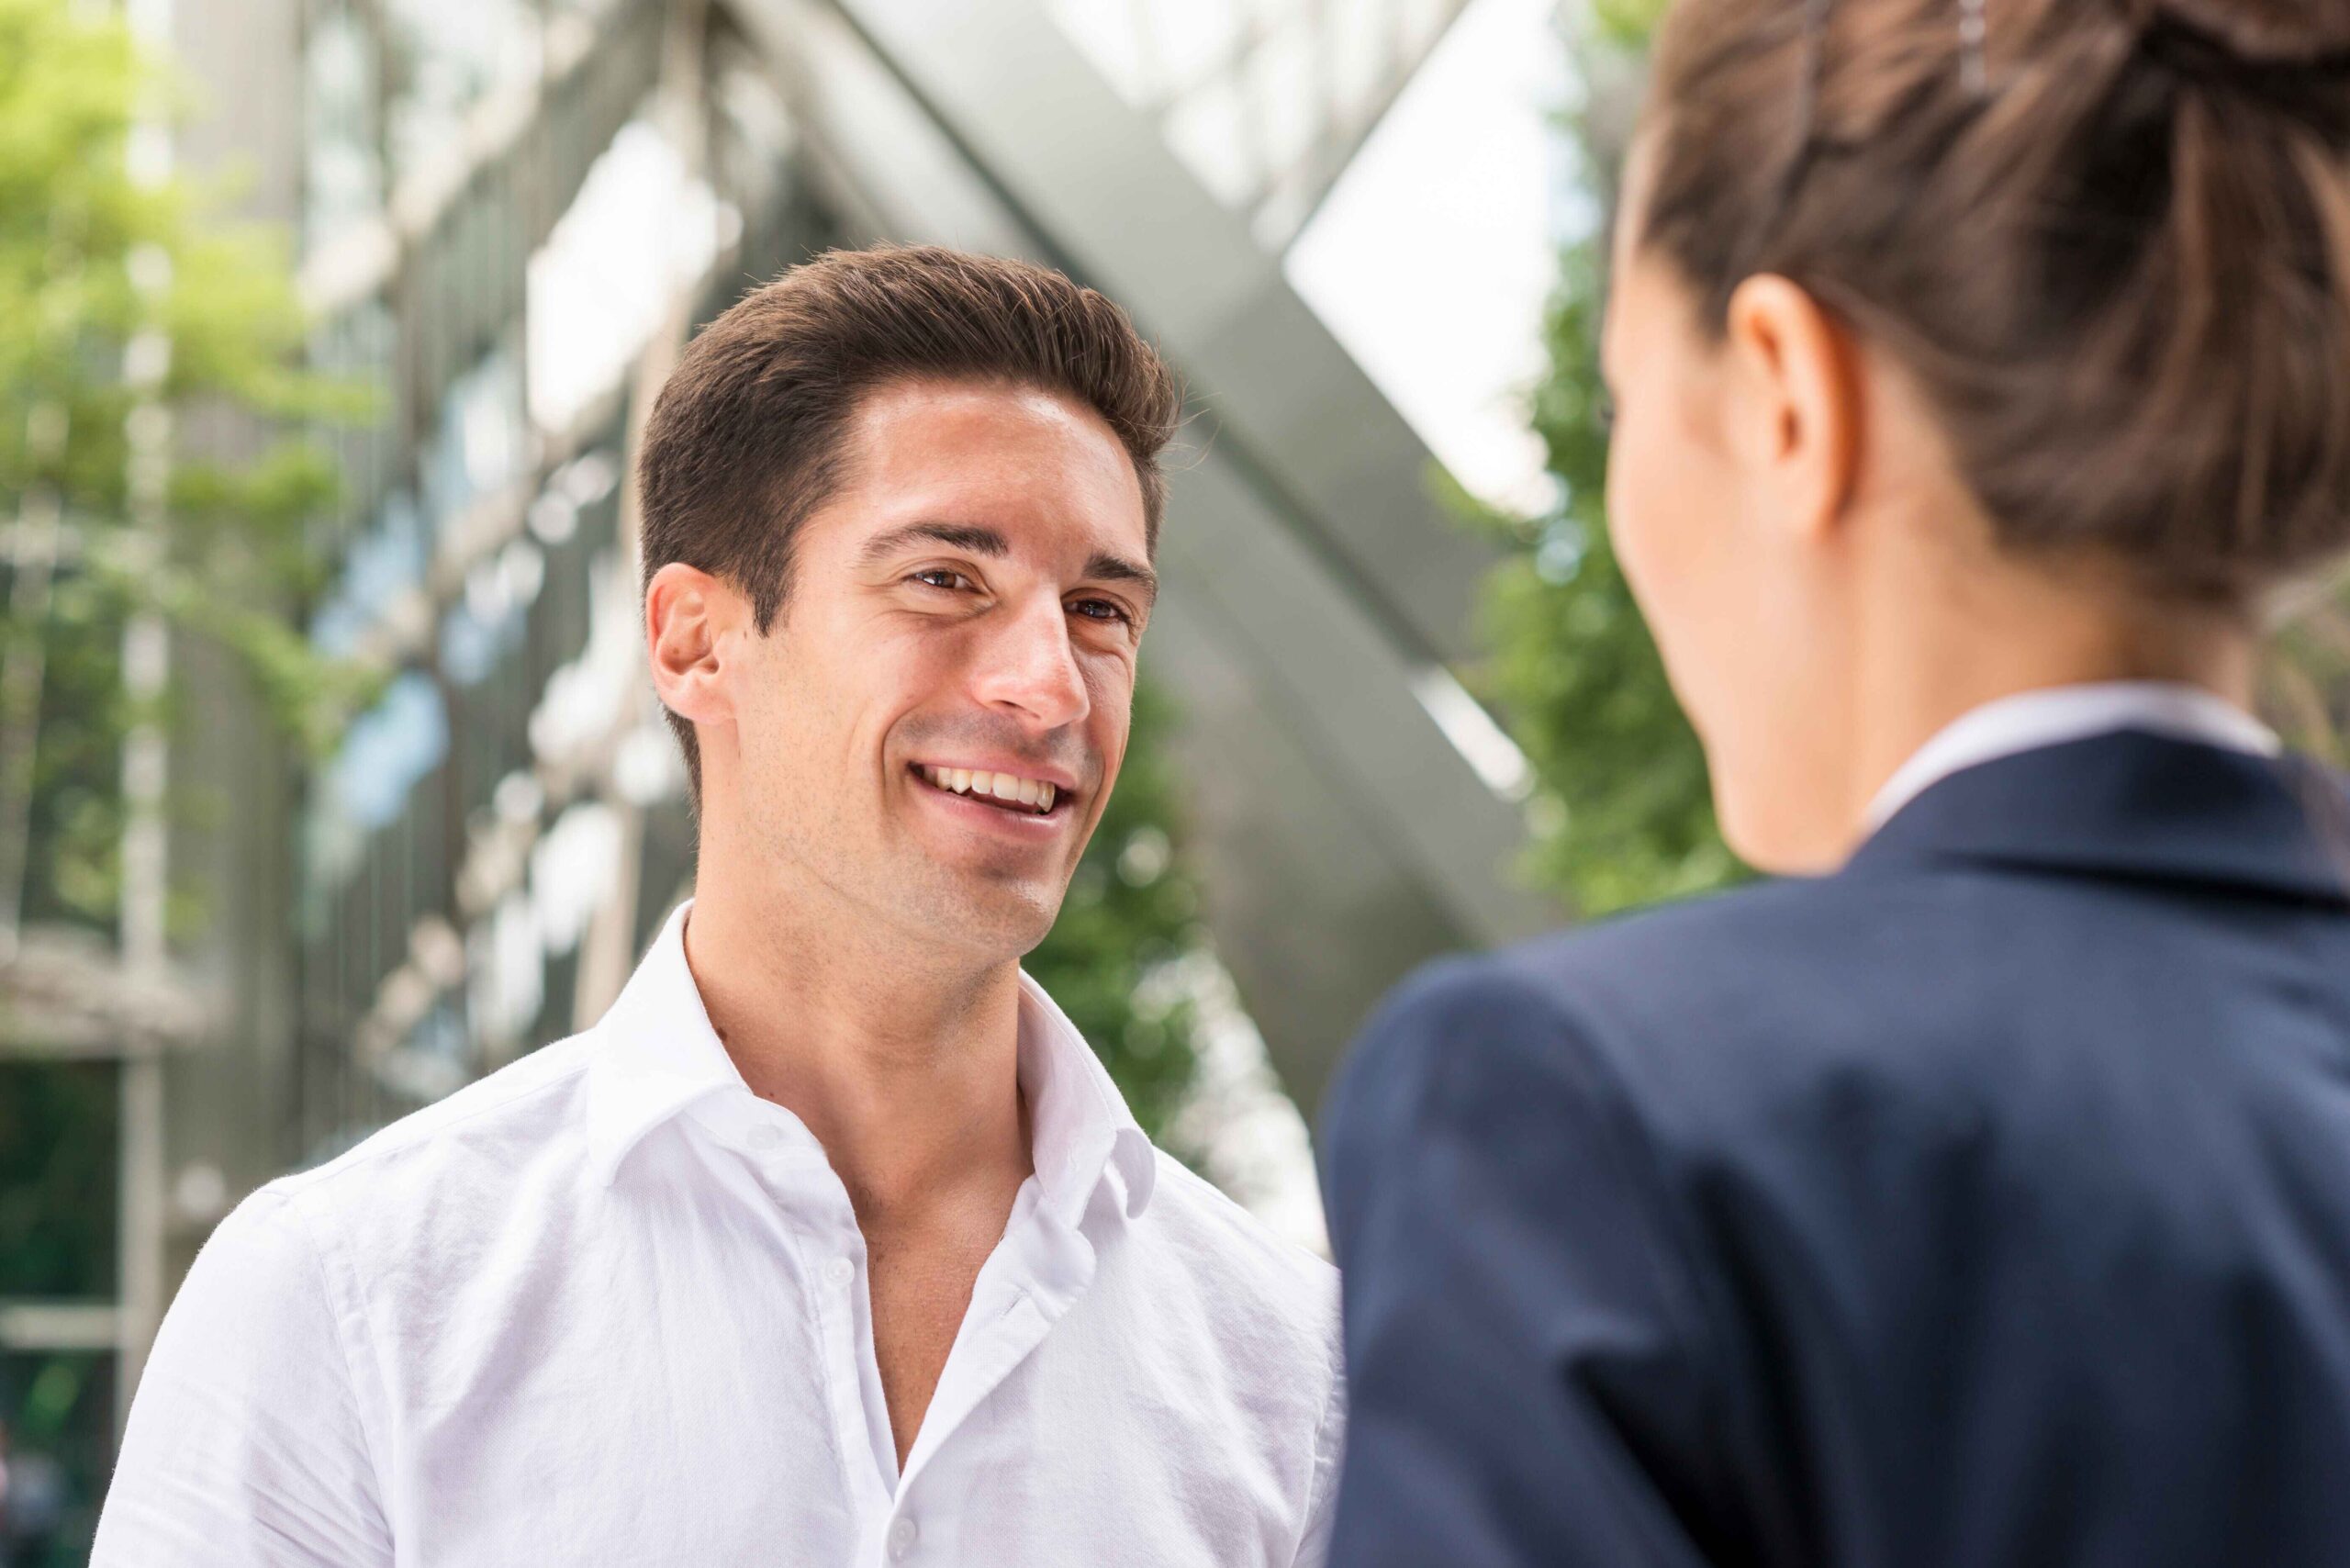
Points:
[(831, 1252), (1040, 1269), (860, 1413)]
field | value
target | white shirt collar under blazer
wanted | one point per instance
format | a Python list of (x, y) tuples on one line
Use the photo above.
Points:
[(2031, 720)]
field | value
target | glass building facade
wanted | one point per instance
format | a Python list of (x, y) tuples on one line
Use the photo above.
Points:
[(509, 213)]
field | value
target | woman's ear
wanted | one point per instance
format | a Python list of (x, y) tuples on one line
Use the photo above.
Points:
[(688, 613), (1800, 403)]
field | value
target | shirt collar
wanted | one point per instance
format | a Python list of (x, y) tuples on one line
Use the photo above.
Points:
[(2031, 720), (1078, 1123), (655, 1054)]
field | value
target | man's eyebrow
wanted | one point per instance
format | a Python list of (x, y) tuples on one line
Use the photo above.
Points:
[(956, 535), (1106, 567), (1103, 567)]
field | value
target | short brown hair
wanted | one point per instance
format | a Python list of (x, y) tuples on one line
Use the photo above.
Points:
[(746, 440), (2111, 243)]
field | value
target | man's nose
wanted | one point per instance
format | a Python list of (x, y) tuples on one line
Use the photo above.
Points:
[(1027, 667)]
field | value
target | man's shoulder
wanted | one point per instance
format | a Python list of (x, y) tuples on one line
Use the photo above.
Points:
[(1194, 1214), (523, 1114), (1233, 1263)]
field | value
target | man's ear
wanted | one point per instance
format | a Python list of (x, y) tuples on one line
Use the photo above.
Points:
[(687, 614), (1801, 402)]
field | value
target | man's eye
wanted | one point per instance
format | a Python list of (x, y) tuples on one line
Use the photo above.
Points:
[(1100, 610), (940, 578)]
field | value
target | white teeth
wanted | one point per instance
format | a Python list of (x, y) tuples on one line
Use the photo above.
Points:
[(1009, 787)]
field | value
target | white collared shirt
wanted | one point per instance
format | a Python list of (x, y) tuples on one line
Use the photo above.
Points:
[(609, 1306), (2030, 719)]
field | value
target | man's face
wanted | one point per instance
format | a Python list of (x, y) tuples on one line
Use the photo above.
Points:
[(930, 729)]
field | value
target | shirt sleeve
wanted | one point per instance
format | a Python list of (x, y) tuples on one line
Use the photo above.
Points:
[(1322, 1500), (1522, 1343), (245, 1444)]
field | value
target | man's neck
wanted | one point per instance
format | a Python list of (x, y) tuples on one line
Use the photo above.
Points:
[(904, 1068)]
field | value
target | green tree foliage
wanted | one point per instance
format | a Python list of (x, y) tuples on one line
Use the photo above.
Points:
[(2305, 689), (1132, 907), (92, 260), (1626, 25), (1623, 815)]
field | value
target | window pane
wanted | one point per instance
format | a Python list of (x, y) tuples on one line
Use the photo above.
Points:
[(59, 1161), (57, 1435)]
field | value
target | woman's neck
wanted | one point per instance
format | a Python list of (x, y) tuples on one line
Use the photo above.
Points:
[(1985, 633)]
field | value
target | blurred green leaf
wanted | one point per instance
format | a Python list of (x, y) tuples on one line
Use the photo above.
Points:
[(1623, 814), (1133, 907), (89, 258)]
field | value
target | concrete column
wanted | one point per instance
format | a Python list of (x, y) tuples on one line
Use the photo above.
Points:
[(212, 1120)]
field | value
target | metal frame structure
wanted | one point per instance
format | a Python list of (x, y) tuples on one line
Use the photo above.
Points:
[(1273, 98)]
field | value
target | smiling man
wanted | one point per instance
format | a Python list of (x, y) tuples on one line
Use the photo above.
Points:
[(832, 1242)]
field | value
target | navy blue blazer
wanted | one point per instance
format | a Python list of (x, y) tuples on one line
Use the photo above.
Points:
[(1986, 1203)]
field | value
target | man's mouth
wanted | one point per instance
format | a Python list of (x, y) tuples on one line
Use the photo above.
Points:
[(1007, 792)]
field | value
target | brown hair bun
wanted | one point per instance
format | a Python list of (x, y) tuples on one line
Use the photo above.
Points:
[(2110, 242)]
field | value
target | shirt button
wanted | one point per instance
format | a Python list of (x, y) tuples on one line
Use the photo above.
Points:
[(902, 1536), (764, 1137), (839, 1270)]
